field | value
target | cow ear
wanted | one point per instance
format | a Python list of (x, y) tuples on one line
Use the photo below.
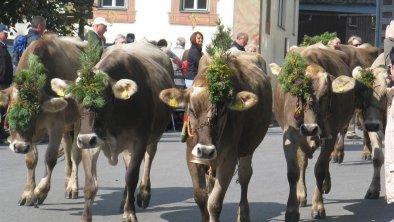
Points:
[(343, 84), (59, 86), (174, 97), (275, 68), (4, 97), (124, 89), (243, 101), (54, 105)]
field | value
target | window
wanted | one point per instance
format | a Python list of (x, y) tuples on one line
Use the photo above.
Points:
[(122, 11), (282, 13), (194, 5), (193, 12), (113, 3)]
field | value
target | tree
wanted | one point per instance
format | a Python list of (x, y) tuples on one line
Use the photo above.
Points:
[(61, 15)]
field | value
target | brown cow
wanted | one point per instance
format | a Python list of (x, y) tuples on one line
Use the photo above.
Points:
[(131, 121), (362, 56), (60, 57), (322, 118), (222, 136), (372, 115)]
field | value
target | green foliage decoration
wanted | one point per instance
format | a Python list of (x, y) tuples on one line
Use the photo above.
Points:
[(221, 40), (89, 90), (30, 83), (219, 72), (364, 87), (293, 78), (323, 38)]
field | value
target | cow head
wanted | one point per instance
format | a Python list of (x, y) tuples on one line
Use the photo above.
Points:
[(311, 114), (93, 126), (25, 128), (371, 97), (205, 120)]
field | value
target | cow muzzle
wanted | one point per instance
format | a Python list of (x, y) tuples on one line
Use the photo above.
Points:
[(372, 126), (204, 152), (20, 147), (310, 130), (88, 141)]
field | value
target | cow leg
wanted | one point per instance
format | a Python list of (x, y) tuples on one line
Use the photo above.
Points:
[(144, 190), (31, 162), (132, 175), (245, 172), (339, 152), (377, 160), (322, 176), (72, 162), (293, 175), (224, 174), (367, 147), (42, 189), (89, 161), (301, 186), (200, 193)]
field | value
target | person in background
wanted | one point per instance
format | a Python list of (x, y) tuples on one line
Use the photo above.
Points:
[(334, 42), (179, 48), (354, 40), (6, 74), (120, 40), (130, 37), (38, 27), (99, 27), (389, 131), (193, 57), (240, 43), (162, 44)]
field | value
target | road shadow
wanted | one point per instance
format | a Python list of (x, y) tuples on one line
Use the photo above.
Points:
[(109, 203), (258, 212)]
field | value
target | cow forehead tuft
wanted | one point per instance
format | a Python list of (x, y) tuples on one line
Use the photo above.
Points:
[(197, 90), (313, 69)]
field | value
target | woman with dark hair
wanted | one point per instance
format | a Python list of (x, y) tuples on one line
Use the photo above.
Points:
[(193, 57)]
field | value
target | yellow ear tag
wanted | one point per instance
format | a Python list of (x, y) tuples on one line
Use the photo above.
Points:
[(60, 93), (239, 105), (173, 102), (125, 94), (341, 89)]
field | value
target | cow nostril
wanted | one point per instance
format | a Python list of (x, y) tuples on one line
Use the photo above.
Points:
[(198, 151), (314, 131), (93, 141), (211, 153)]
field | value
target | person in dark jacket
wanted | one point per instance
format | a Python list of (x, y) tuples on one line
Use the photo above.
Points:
[(6, 74), (6, 69), (193, 57), (240, 43), (38, 27)]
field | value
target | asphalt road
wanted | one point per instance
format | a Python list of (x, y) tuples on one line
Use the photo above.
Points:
[(172, 198)]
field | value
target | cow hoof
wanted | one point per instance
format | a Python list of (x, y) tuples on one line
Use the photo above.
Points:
[(366, 157), (143, 196), (334, 159), (292, 217), (22, 201), (143, 199), (372, 194), (86, 219), (303, 203), (72, 195), (131, 218), (318, 214)]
